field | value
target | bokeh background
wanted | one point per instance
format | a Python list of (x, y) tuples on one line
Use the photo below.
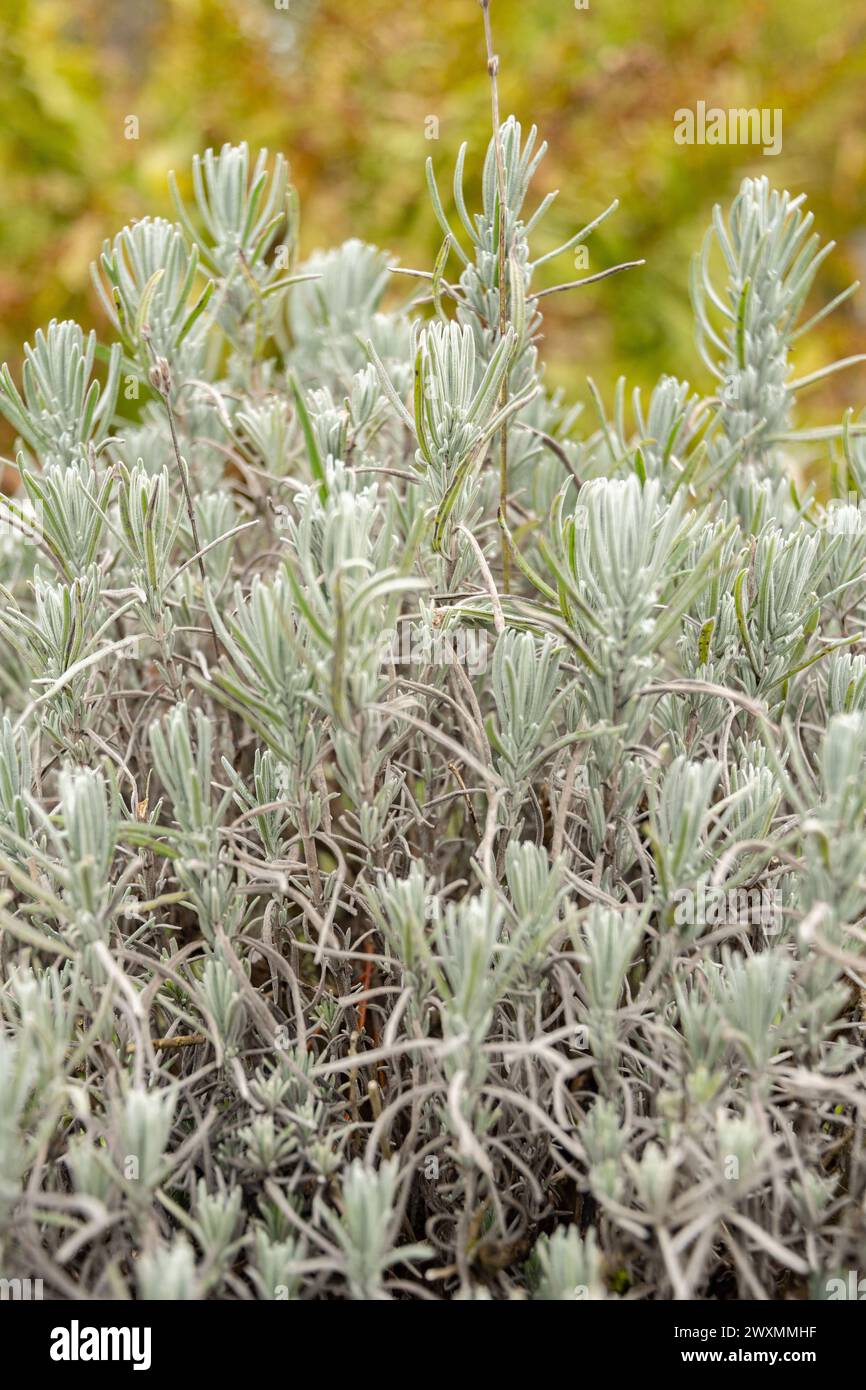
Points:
[(345, 88)]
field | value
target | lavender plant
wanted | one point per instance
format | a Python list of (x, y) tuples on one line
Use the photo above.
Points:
[(432, 840)]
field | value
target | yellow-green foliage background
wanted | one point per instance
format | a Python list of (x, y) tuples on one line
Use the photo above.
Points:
[(344, 88)]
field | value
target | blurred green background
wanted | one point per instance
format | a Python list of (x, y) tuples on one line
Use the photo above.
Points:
[(345, 90)]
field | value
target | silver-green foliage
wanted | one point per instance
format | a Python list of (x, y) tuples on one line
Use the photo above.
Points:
[(430, 839)]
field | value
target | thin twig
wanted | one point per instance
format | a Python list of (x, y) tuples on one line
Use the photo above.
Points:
[(160, 378), (587, 280), (493, 71)]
